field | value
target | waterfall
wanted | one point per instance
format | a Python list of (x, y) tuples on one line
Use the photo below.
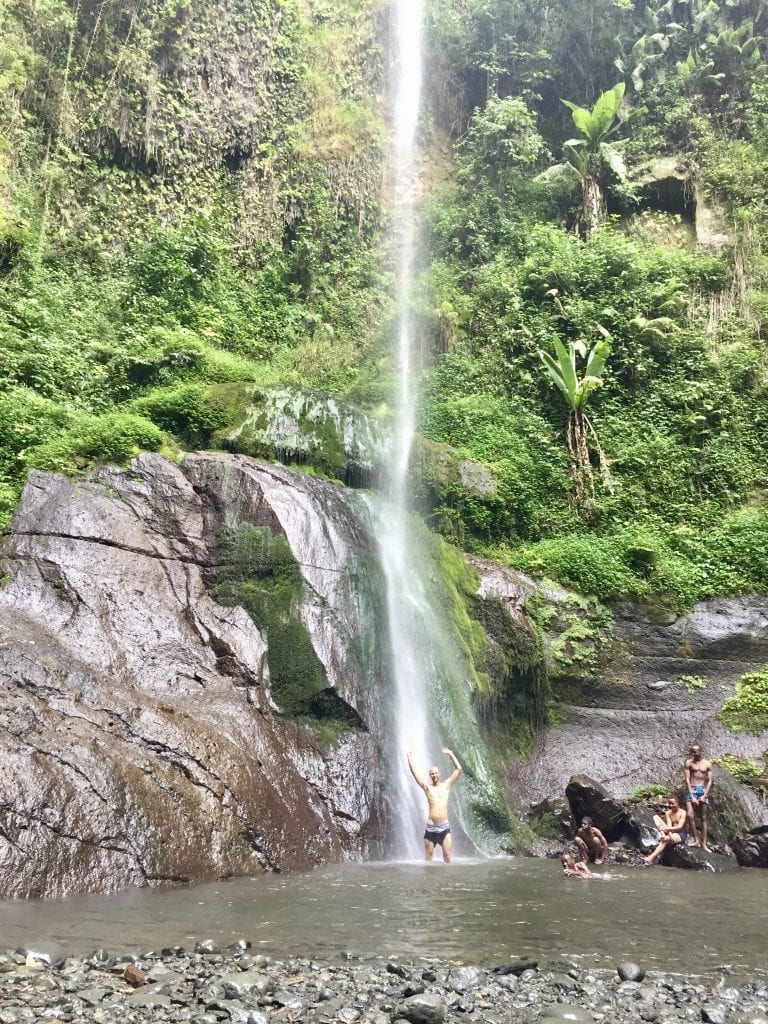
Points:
[(406, 603)]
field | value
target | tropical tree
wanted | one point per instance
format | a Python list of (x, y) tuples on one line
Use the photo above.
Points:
[(579, 431), (593, 158)]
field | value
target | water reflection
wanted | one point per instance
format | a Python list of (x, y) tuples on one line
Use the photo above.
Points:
[(483, 912)]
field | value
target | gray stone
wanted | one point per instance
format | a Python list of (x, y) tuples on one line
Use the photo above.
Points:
[(714, 1013), (48, 953), (589, 798), (567, 1013), (752, 849), (426, 1008), (147, 997), (94, 555), (630, 972), (692, 858), (242, 983), (463, 979), (94, 996)]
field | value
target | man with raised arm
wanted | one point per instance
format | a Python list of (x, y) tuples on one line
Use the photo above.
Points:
[(438, 830), (698, 781)]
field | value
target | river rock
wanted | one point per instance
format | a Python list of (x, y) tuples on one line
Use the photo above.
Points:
[(559, 809), (714, 1013), (693, 858), (463, 979), (426, 1008), (752, 849), (567, 1013), (630, 972), (242, 983), (48, 953), (148, 997), (589, 798)]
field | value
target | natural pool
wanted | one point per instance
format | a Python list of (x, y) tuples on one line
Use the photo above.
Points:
[(481, 912)]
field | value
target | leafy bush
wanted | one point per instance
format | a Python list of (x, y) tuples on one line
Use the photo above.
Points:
[(116, 437), (740, 768), (182, 410), (649, 790), (692, 684), (747, 710)]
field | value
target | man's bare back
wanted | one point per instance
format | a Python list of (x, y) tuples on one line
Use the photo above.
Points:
[(438, 831)]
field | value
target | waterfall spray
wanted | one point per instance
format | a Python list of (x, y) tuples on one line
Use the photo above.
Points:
[(405, 598)]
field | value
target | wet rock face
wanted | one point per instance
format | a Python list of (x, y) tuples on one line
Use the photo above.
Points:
[(140, 743), (627, 720), (299, 425), (588, 799), (752, 849)]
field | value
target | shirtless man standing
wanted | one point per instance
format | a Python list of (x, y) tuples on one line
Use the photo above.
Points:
[(698, 780), (438, 831)]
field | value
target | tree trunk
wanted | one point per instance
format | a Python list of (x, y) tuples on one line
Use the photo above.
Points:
[(593, 206)]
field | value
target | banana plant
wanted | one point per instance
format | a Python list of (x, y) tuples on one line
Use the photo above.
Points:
[(591, 159), (577, 389)]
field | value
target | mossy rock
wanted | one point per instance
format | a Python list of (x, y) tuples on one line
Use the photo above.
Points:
[(302, 427)]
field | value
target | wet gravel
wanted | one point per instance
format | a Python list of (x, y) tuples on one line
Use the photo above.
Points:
[(206, 985)]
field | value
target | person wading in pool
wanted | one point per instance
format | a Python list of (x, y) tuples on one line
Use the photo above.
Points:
[(438, 830), (698, 780)]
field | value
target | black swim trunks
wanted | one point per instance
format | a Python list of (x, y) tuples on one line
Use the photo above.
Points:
[(436, 833)]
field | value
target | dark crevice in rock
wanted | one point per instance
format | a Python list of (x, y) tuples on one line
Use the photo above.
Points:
[(102, 541)]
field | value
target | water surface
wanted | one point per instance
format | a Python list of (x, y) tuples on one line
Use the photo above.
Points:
[(481, 912)]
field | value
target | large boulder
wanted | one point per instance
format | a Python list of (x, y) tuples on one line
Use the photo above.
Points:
[(693, 858), (589, 799), (641, 831), (141, 740), (752, 849)]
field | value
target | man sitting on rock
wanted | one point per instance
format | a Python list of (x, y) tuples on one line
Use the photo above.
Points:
[(698, 779), (672, 828), (591, 842)]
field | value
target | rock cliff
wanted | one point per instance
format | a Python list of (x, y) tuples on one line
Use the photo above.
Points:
[(627, 717), (140, 739)]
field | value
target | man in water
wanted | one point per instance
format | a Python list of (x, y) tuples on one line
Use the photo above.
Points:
[(672, 828), (591, 842), (698, 780), (574, 868), (438, 830)]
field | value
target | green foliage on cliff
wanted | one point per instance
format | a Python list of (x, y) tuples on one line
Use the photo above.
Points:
[(258, 572), (188, 195), (682, 413), (192, 196), (747, 710)]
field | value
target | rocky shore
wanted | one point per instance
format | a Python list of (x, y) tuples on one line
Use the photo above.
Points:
[(207, 985)]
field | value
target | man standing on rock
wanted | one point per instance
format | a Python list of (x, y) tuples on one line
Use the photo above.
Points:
[(698, 781), (438, 830)]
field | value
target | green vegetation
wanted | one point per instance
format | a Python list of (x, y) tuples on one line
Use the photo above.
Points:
[(747, 710), (692, 684), (258, 572), (648, 791), (191, 204), (189, 196), (579, 432), (740, 768)]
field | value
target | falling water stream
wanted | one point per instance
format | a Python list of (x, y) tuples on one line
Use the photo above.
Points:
[(407, 605)]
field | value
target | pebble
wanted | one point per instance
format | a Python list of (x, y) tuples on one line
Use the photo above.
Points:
[(232, 985)]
